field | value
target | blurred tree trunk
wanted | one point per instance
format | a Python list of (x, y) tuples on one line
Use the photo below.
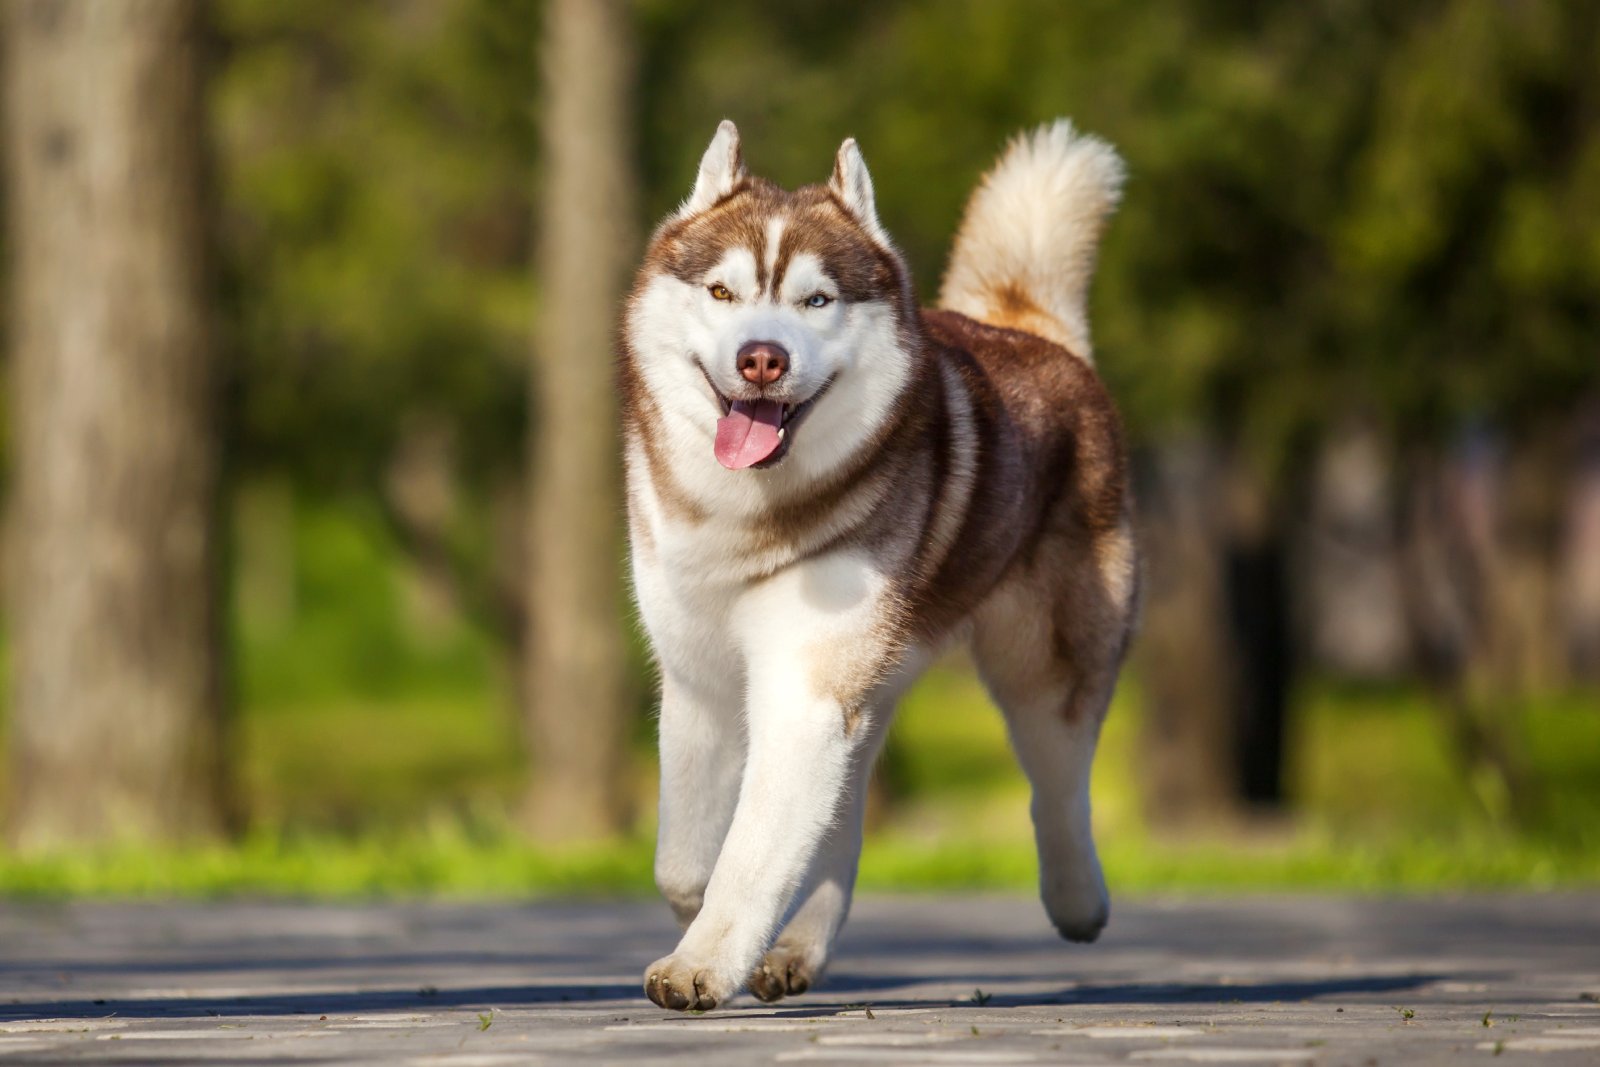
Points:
[(1480, 547), (116, 715), (1184, 653), (1355, 620), (576, 691), (1215, 658), (1580, 567), (1533, 492)]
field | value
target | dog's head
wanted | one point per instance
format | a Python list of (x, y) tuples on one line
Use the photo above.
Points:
[(773, 329)]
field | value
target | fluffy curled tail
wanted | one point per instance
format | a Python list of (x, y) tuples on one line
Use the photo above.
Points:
[(1026, 248)]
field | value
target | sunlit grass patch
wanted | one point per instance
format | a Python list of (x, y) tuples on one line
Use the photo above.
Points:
[(450, 859), (445, 859)]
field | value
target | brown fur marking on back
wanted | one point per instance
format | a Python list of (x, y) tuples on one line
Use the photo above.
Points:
[(1051, 460), (1067, 423)]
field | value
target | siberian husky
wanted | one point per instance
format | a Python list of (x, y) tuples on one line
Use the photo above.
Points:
[(827, 487)]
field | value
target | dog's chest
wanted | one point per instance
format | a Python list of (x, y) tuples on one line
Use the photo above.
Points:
[(689, 585)]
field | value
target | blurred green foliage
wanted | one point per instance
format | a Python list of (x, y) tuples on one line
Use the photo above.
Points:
[(1390, 206), (325, 603), (374, 166)]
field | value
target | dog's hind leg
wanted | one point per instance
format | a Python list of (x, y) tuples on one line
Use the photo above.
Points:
[(1055, 737), (1051, 666), (702, 761)]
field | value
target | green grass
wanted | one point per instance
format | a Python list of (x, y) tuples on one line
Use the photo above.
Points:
[(377, 755), (445, 859), (451, 859)]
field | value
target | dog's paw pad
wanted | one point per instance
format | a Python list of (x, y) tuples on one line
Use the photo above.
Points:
[(677, 986), (1078, 906), (1083, 922), (1081, 932), (781, 974)]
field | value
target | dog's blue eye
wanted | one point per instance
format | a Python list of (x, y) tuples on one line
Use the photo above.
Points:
[(819, 300)]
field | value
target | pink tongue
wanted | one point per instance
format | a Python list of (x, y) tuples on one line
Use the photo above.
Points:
[(748, 433)]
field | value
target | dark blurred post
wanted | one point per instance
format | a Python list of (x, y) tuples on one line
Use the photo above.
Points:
[(116, 702), (1215, 654), (576, 691)]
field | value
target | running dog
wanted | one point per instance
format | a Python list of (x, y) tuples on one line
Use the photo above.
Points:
[(827, 487)]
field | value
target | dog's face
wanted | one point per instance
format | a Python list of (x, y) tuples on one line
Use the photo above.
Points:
[(771, 327)]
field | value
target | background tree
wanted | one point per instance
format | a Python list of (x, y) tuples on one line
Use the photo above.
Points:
[(116, 711), (577, 693)]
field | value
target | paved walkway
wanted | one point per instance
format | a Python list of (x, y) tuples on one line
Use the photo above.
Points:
[(934, 980)]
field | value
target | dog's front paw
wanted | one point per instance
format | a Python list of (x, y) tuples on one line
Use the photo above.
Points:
[(681, 984), (1079, 907), (783, 973)]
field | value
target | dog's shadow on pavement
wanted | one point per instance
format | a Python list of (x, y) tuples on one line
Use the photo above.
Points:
[(857, 990), (862, 987), (332, 1003)]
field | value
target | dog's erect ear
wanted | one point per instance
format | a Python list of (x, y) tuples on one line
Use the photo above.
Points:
[(721, 168), (854, 186)]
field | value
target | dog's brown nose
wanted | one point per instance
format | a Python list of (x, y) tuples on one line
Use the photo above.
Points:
[(763, 362)]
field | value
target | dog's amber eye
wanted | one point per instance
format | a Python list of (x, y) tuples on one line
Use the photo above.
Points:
[(818, 300), (720, 292)]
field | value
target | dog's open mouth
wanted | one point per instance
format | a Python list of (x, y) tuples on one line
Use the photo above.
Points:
[(756, 433)]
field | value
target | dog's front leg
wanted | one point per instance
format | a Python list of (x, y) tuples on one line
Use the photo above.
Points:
[(702, 760), (796, 960), (811, 638), (794, 777)]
